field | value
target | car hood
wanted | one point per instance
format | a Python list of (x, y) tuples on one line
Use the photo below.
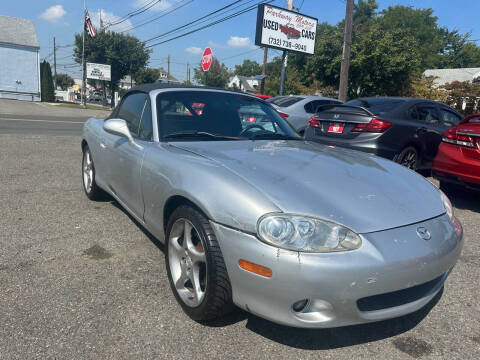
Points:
[(361, 191)]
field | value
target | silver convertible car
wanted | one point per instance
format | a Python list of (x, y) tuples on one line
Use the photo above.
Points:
[(299, 233)]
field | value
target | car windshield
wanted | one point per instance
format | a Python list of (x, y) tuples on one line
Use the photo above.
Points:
[(202, 115), (286, 101), (377, 106)]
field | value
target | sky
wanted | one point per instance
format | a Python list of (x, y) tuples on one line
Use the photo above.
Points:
[(231, 41)]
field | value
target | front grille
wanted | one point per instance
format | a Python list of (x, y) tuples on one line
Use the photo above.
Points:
[(400, 297)]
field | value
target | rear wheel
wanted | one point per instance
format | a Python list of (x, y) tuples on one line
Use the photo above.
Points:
[(408, 157), (196, 270)]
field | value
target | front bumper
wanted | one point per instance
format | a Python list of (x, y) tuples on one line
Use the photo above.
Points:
[(337, 285)]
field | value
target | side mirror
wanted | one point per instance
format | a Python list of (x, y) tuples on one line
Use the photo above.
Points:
[(119, 127)]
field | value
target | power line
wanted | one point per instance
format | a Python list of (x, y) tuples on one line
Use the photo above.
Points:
[(243, 53), (133, 13), (208, 18), (238, 13), (164, 13), (194, 21)]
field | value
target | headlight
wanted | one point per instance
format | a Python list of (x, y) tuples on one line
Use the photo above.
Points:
[(447, 205), (300, 233)]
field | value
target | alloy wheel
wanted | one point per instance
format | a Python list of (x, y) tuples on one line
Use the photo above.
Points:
[(187, 261), (409, 159), (87, 171)]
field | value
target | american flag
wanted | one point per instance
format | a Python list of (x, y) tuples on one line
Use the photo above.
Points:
[(89, 26)]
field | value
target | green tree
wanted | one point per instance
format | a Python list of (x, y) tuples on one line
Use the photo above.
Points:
[(293, 85), (324, 65), (426, 88), (458, 52), (64, 81), (471, 55), (125, 53), (365, 11), (146, 76), (421, 25), (383, 63), (46, 82), (216, 76), (248, 68)]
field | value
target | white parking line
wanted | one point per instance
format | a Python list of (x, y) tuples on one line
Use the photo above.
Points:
[(39, 120)]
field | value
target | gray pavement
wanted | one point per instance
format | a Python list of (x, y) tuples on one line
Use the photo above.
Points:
[(82, 280), (25, 117)]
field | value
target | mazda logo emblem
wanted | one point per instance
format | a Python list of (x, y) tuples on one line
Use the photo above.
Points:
[(423, 233)]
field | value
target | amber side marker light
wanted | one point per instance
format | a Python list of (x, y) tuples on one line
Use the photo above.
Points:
[(255, 268)]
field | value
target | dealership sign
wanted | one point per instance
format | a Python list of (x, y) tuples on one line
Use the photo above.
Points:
[(98, 71), (286, 30)]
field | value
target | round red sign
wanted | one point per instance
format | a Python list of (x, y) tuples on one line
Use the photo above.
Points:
[(207, 58)]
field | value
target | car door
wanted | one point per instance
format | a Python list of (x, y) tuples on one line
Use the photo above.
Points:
[(430, 128), (125, 159)]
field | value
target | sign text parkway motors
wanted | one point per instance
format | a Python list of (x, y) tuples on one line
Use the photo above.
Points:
[(286, 30)]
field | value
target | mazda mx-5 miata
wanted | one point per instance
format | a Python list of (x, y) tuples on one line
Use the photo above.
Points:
[(303, 234)]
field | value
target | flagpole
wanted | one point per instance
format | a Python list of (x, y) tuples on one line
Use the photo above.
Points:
[(83, 98)]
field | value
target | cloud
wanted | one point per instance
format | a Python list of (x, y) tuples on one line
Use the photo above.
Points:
[(193, 50), (108, 18), (159, 6), (53, 13), (236, 41)]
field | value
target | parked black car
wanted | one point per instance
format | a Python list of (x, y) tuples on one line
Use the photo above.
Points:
[(406, 130)]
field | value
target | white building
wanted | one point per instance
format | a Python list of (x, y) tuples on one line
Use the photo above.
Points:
[(445, 76), (244, 83), (19, 60)]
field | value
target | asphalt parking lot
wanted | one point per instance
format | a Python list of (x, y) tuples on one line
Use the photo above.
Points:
[(80, 279)]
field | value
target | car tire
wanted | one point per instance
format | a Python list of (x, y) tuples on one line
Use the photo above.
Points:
[(408, 157), (446, 186), (195, 266), (90, 187)]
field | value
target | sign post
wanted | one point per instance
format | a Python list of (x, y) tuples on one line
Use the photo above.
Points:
[(285, 30)]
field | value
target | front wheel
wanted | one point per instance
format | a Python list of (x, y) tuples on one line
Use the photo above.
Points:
[(196, 270), (408, 157), (90, 187)]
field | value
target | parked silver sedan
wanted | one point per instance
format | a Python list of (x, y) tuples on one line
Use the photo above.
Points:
[(298, 109), (300, 233)]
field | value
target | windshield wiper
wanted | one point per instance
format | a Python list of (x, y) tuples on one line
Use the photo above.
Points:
[(187, 134), (262, 135)]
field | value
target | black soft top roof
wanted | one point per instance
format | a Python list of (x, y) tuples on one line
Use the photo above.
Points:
[(146, 88)]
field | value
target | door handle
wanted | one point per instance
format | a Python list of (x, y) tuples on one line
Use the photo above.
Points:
[(102, 145)]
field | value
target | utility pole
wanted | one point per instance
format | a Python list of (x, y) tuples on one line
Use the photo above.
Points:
[(168, 69), (347, 42), (284, 57), (265, 54), (188, 73), (54, 64), (83, 98), (101, 21)]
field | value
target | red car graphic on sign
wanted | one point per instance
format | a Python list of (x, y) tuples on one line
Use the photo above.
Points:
[(290, 31)]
